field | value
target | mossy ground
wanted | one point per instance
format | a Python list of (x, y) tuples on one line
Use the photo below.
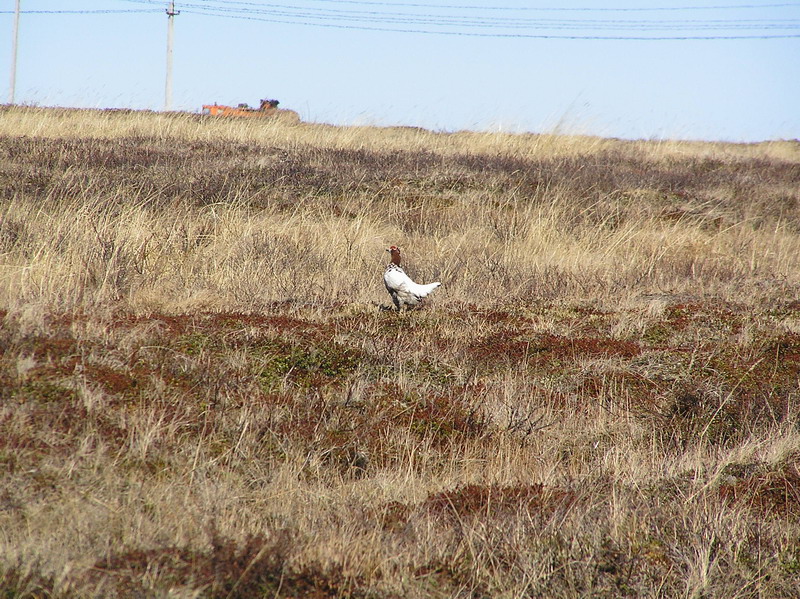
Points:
[(202, 393)]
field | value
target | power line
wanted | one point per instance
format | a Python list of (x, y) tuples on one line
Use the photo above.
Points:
[(511, 35), (562, 8), (283, 9), (546, 24), (103, 11), (246, 6), (416, 21), (519, 8), (445, 22)]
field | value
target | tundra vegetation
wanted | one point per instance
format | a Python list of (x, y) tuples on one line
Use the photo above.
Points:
[(202, 393)]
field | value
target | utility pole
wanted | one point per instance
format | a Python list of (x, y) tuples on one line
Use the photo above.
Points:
[(14, 39), (171, 12)]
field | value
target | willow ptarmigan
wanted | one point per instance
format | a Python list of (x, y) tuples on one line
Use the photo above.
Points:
[(403, 290)]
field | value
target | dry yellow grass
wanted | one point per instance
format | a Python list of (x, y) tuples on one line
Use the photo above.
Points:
[(203, 397)]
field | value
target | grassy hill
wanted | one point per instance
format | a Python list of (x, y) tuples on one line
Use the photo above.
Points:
[(204, 394)]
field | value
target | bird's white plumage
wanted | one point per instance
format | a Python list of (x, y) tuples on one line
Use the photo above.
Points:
[(403, 290)]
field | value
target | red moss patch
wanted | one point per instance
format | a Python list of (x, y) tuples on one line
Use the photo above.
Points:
[(507, 346), (681, 315), (594, 347), (786, 347), (494, 500), (112, 381), (721, 314), (762, 384), (623, 387), (228, 320), (768, 491), (501, 346), (443, 417), (50, 348)]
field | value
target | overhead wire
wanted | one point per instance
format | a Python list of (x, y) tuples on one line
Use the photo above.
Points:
[(517, 8), (283, 9), (98, 11), (441, 20), (488, 26), (580, 25)]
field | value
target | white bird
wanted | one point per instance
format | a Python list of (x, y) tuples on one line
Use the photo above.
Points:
[(403, 290)]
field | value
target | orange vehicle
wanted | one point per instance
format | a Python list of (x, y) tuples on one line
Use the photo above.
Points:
[(267, 108)]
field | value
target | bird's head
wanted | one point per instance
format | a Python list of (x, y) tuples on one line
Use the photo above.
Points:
[(395, 252)]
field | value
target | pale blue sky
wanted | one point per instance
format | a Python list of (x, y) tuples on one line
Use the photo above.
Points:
[(343, 73)]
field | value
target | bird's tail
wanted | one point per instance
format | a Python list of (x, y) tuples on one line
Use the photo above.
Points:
[(424, 290)]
